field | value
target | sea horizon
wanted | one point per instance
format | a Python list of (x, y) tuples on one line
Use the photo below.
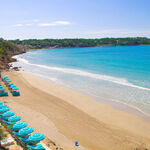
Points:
[(114, 75)]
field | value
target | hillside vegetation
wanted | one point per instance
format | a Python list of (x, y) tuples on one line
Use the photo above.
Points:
[(60, 43), (7, 50)]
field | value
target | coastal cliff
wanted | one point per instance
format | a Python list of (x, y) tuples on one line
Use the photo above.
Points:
[(7, 50)]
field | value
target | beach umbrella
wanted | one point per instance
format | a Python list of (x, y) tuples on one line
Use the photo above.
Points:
[(25, 131), (5, 77), (10, 84), (3, 110), (15, 89), (36, 137), (14, 118), (8, 114), (2, 106), (8, 81), (1, 103), (1, 89), (19, 125)]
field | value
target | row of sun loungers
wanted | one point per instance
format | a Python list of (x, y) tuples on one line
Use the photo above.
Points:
[(20, 130), (13, 89), (2, 91)]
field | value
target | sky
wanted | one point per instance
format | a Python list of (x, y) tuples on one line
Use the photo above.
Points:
[(40, 19)]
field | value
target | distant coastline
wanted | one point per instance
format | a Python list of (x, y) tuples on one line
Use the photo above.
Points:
[(28, 50), (71, 43), (9, 48)]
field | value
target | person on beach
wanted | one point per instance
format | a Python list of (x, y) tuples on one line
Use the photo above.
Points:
[(76, 144)]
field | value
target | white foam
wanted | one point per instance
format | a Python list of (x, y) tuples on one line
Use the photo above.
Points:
[(21, 59), (126, 104), (46, 77), (120, 81)]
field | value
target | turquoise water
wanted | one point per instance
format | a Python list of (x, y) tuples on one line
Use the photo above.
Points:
[(120, 74)]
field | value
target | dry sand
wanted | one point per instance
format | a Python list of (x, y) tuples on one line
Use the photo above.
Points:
[(65, 116)]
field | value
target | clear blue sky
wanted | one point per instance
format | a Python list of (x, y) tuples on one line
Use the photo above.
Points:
[(25, 19)]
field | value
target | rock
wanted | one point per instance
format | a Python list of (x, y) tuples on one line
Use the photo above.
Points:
[(15, 68)]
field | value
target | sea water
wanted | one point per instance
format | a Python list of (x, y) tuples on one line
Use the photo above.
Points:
[(120, 74)]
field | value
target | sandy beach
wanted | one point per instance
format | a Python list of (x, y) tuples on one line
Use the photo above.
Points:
[(65, 116)]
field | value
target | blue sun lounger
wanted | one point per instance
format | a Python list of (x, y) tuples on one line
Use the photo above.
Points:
[(15, 91), (16, 133), (25, 139), (36, 147), (5, 78), (3, 93)]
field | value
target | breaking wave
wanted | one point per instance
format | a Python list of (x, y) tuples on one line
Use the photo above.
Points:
[(78, 72)]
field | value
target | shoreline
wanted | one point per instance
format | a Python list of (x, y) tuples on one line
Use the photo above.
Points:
[(112, 102), (77, 116), (128, 84)]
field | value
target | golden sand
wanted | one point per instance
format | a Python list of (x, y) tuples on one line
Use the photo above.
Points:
[(65, 116)]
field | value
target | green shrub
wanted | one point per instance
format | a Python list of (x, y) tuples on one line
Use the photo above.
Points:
[(2, 134)]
